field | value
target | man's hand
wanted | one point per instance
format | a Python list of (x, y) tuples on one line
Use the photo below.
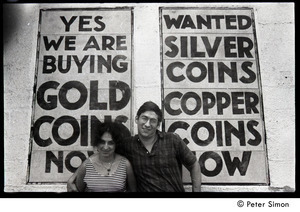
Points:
[(195, 172)]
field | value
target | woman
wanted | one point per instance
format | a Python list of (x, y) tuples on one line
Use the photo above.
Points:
[(105, 171)]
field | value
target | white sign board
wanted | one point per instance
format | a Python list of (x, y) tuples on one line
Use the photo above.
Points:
[(211, 90), (83, 77)]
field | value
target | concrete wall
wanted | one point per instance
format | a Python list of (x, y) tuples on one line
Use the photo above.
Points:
[(276, 41)]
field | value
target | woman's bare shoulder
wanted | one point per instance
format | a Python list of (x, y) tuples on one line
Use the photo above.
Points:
[(120, 157)]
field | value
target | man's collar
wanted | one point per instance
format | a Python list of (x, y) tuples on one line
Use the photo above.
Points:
[(159, 134)]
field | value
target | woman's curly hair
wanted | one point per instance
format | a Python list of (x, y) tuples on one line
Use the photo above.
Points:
[(117, 131)]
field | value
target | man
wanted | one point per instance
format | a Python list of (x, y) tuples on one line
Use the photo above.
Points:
[(156, 157)]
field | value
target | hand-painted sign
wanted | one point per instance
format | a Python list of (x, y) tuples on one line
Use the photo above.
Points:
[(211, 90), (83, 78)]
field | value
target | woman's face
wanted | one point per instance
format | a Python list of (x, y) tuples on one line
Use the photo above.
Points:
[(106, 146)]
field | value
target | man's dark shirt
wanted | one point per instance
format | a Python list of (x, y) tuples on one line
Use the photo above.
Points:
[(161, 169)]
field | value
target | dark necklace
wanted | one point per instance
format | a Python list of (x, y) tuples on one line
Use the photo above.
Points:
[(108, 169)]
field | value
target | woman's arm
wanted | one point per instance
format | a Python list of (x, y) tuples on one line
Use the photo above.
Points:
[(130, 177), (80, 175), (71, 186)]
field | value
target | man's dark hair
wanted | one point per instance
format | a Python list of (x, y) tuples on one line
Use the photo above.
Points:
[(150, 106)]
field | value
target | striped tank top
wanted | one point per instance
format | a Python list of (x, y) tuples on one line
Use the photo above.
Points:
[(96, 182)]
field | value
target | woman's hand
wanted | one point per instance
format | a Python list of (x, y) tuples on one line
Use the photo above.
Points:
[(71, 187)]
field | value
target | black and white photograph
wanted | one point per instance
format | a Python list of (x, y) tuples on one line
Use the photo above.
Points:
[(133, 100)]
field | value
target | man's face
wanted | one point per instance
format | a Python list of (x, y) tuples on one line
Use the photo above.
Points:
[(147, 124)]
